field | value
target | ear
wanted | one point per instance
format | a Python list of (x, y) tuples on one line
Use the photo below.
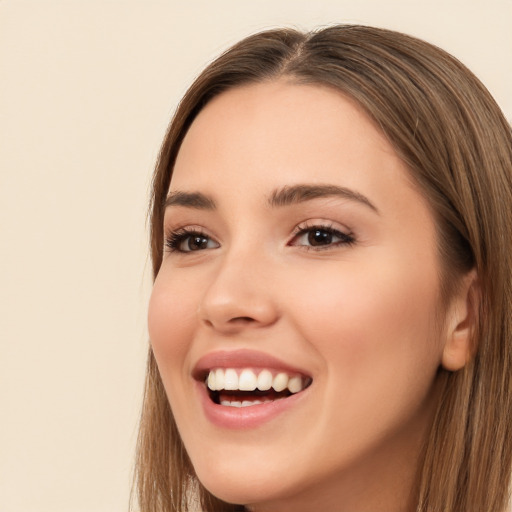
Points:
[(461, 323)]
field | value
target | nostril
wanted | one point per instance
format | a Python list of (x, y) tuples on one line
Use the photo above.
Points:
[(238, 320), (241, 320)]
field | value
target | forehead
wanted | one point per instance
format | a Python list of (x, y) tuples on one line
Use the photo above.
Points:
[(269, 135)]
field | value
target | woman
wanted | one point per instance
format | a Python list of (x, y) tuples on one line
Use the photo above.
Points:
[(331, 317)]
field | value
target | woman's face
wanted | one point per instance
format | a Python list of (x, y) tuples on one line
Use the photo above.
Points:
[(298, 255)]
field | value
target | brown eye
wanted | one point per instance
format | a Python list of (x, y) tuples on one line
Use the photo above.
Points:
[(189, 241), (194, 243), (319, 237)]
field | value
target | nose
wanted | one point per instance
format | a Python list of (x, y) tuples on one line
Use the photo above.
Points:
[(240, 296)]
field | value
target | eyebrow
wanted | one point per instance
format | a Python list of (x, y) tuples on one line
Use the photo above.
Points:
[(190, 200), (286, 196), (295, 194)]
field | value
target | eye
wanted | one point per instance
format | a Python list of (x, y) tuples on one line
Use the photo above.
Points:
[(188, 240), (321, 237)]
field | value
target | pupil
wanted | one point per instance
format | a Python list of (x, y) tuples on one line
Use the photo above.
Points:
[(197, 242), (319, 237)]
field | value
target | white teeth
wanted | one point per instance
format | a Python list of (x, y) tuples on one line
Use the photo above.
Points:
[(211, 382), (230, 380), (295, 384), (264, 380), (219, 379), (236, 403), (280, 382), (247, 381)]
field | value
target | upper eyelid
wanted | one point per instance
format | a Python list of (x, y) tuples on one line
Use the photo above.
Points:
[(323, 227), (187, 228), (322, 224)]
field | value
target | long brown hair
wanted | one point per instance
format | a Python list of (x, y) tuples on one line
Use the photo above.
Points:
[(458, 146)]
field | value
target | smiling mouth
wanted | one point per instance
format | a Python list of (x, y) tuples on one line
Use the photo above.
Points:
[(232, 387)]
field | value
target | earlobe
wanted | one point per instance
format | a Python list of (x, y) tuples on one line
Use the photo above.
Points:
[(460, 347)]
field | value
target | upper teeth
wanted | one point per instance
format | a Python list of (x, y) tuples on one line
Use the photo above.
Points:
[(248, 380)]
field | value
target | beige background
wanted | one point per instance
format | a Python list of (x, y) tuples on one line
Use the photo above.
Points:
[(87, 88)]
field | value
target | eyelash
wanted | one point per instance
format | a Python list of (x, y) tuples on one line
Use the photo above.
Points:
[(346, 239), (175, 238)]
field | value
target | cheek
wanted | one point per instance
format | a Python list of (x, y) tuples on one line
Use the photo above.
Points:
[(172, 309), (171, 323), (375, 333), (368, 315)]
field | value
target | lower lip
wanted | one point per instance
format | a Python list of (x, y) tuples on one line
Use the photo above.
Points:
[(245, 417)]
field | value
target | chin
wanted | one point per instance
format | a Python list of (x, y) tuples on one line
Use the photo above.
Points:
[(240, 491), (244, 486)]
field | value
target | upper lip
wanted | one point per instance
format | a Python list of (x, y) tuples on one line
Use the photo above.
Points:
[(242, 358)]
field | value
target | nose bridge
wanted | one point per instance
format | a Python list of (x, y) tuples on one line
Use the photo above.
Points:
[(239, 293)]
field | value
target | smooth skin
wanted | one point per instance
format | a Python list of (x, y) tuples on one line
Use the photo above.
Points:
[(360, 312)]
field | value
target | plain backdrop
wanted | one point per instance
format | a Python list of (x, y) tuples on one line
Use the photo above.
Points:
[(86, 91)]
